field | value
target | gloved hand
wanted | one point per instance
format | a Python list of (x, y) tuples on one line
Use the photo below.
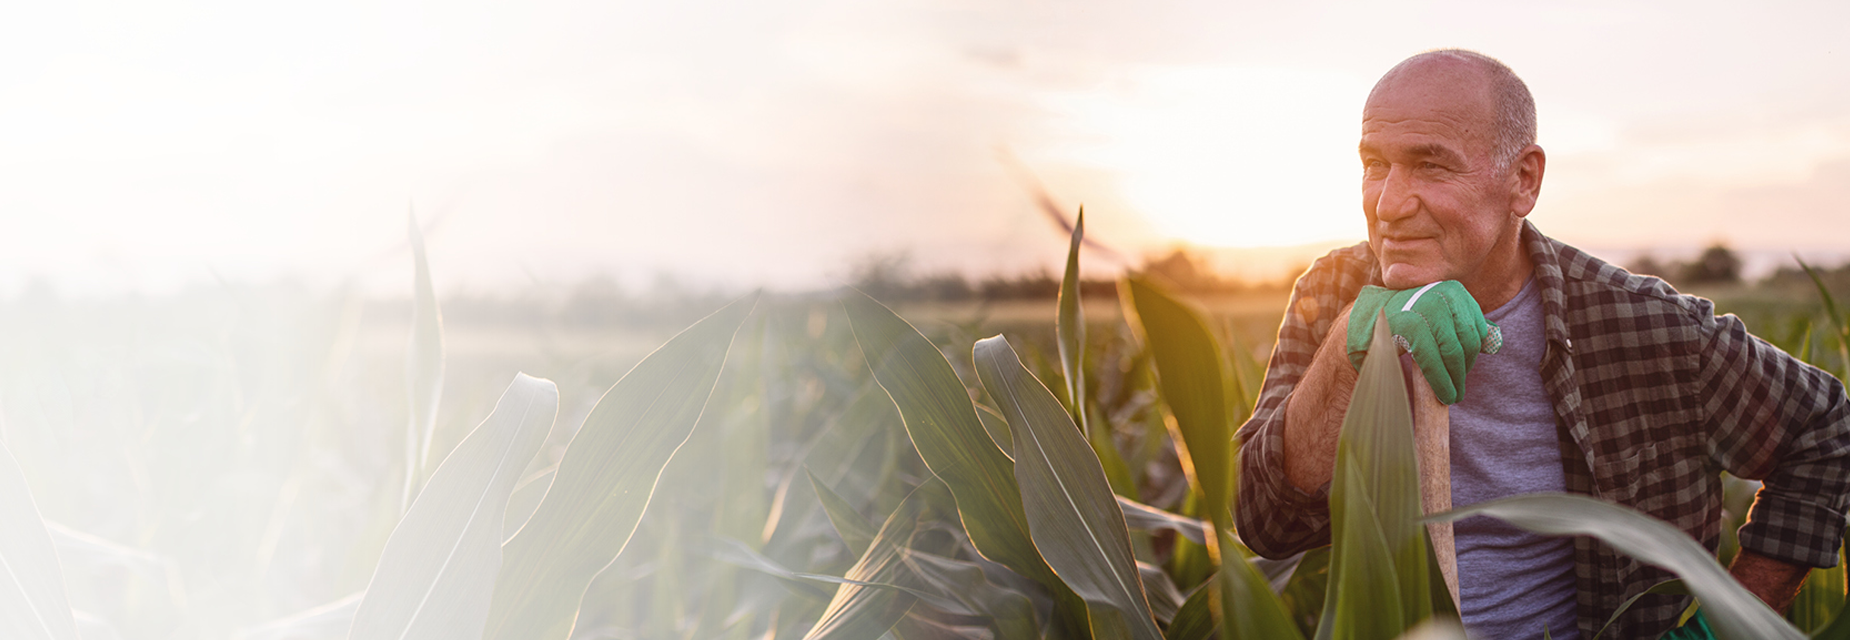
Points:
[(1440, 324), (1696, 628)]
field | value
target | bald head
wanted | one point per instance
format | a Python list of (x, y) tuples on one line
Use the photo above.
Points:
[(1461, 75)]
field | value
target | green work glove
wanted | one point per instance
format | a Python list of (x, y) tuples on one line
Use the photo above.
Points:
[(1440, 324), (1696, 628)]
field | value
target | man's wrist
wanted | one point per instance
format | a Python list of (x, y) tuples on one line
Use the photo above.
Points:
[(1776, 582)]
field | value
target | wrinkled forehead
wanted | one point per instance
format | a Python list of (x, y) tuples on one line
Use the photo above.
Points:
[(1443, 98)]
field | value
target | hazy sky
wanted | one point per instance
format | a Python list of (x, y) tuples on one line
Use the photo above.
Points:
[(150, 144)]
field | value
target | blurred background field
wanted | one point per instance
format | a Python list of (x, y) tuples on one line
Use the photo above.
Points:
[(220, 458)]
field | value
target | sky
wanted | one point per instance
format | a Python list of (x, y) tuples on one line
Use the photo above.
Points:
[(148, 146)]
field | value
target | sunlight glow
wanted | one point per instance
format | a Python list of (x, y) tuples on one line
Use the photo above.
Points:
[(1232, 157)]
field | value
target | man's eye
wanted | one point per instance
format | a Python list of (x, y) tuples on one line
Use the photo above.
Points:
[(1430, 166)]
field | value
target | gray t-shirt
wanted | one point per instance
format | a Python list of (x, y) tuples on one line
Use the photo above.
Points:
[(1511, 582)]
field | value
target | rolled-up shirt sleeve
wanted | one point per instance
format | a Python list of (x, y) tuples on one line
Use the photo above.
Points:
[(1275, 518), (1774, 418)]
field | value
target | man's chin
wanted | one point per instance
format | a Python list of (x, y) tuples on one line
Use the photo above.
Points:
[(1407, 276)]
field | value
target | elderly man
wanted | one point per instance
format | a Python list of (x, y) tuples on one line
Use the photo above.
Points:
[(1607, 383)]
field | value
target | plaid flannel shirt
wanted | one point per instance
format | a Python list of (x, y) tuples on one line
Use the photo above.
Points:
[(1654, 396)]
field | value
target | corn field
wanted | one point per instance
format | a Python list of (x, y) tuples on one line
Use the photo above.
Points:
[(794, 467)]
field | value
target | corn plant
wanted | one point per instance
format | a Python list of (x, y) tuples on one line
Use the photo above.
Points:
[(824, 469)]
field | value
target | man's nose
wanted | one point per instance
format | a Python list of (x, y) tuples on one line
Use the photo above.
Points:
[(1398, 198)]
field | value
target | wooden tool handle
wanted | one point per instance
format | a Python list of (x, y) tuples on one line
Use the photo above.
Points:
[(1432, 438)]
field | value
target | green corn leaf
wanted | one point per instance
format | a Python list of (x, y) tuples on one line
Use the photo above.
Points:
[(1195, 619), (917, 627), (1667, 587), (1123, 481), (1011, 612), (1250, 610), (867, 424), (1838, 321), (35, 605), (1838, 629), (423, 369), (1307, 588), (1164, 596), (993, 423), (855, 531), (1380, 554), (438, 571), (859, 611), (1073, 517), (606, 479), (1142, 517), (1442, 603), (1365, 598), (1192, 377), (1193, 563), (1071, 328), (1839, 626), (1819, 600), (1732, 612), (943, 425), (737, 554), (1830, 303)]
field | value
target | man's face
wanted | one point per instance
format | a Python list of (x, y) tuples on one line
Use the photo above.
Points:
[(1437, 206)]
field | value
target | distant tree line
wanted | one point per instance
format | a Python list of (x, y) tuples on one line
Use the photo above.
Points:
[(888, 278), (1716, 265)]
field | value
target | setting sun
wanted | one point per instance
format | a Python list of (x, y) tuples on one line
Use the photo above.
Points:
[(1232, 157)]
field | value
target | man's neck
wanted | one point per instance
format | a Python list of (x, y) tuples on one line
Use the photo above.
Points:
[(1502, 276)]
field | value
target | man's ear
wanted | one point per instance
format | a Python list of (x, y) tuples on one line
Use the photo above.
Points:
[(1526, 179)]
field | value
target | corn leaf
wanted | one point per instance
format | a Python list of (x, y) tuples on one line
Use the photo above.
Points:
[(1123, 481), (1670, 587), (1071, 328), (1164, 596), (855, 531), (1442, 603), (1731, 610), (1072, 515), (859, 611), (1142, 517), (1193, 380), (33, 604), (1307, 589), (606, 479), (1380, 555), (423, 369), (943, 425), (1838, 321), (1011, 613), (1819, 599), (1195, 619), (737, 554), (438, 571), (917, 627), (1838, 629), (1365, 598), (1250, 609)]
